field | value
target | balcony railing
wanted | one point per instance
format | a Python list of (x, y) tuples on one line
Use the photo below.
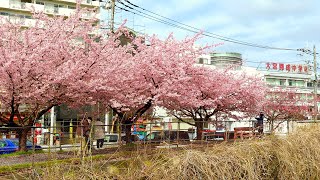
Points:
[(23, 21), (15, 4), (288, 86), (86, 2)]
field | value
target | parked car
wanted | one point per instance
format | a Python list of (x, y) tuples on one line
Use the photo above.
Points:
[(111, 138), (11, 145), (114, 138), (7, 146), (29, 144), (166, 135)]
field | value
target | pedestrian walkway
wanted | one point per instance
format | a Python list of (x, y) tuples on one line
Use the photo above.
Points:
[(64, 147)]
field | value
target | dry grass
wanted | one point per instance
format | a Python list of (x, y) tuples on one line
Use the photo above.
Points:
[(294, 157)]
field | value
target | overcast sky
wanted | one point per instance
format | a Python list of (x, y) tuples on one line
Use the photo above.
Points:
[(278, 23)]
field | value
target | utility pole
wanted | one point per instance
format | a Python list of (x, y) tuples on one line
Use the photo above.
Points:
[(113, 5), (315, 85), (315, 81), (52, 125)]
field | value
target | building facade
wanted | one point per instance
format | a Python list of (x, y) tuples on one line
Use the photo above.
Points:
[(221, 59), (286, 76), (290, 76), (21, 10)]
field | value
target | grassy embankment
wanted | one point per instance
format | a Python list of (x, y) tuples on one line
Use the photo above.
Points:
[(294, 157)]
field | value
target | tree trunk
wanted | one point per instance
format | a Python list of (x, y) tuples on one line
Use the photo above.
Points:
[(272, 126), (127, 129), (23, 138), (128, 121), (199, 126)]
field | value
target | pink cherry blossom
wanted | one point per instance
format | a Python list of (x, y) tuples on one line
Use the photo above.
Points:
[(214, 92)]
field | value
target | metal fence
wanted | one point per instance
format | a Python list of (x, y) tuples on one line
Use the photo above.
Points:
[(66, 138), (52, 138)]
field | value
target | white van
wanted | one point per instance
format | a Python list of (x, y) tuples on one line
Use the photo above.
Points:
[(112, 139)]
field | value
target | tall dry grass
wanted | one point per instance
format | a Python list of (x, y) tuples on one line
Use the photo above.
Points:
[(296, 156)]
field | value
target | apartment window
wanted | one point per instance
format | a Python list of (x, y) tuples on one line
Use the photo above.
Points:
[(4, 14), (291, 82), (23, 5), (299, 83), (89, 1), (56, 8), (39, 2), (203, 61), (71, 7), (309, 84), (282, 82), (270, 81)]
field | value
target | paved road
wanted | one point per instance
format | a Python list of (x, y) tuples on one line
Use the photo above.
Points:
[(68, 152)]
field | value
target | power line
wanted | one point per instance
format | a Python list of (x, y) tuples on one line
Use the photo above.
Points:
[(307, 51), (159, 20), (183, 28), (221, 37), (174, 25), (156, 19), (196, 30)]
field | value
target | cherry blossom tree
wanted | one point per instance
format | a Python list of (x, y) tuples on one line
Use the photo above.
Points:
[(137, 83), (49, 63), (210, 92), (281, 105)]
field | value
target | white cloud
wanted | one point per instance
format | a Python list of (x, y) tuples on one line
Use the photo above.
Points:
[(281, 23)]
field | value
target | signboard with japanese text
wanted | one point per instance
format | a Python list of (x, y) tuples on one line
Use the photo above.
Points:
[(292, 68)]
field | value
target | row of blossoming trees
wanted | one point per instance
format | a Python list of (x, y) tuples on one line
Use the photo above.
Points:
[(60, 60)]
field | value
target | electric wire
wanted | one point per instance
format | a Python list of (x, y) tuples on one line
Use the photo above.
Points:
[(196, 30), (159, 20), (186, 24), (174, 25)]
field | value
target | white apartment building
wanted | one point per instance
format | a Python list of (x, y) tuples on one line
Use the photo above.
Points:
[(20, 10)]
